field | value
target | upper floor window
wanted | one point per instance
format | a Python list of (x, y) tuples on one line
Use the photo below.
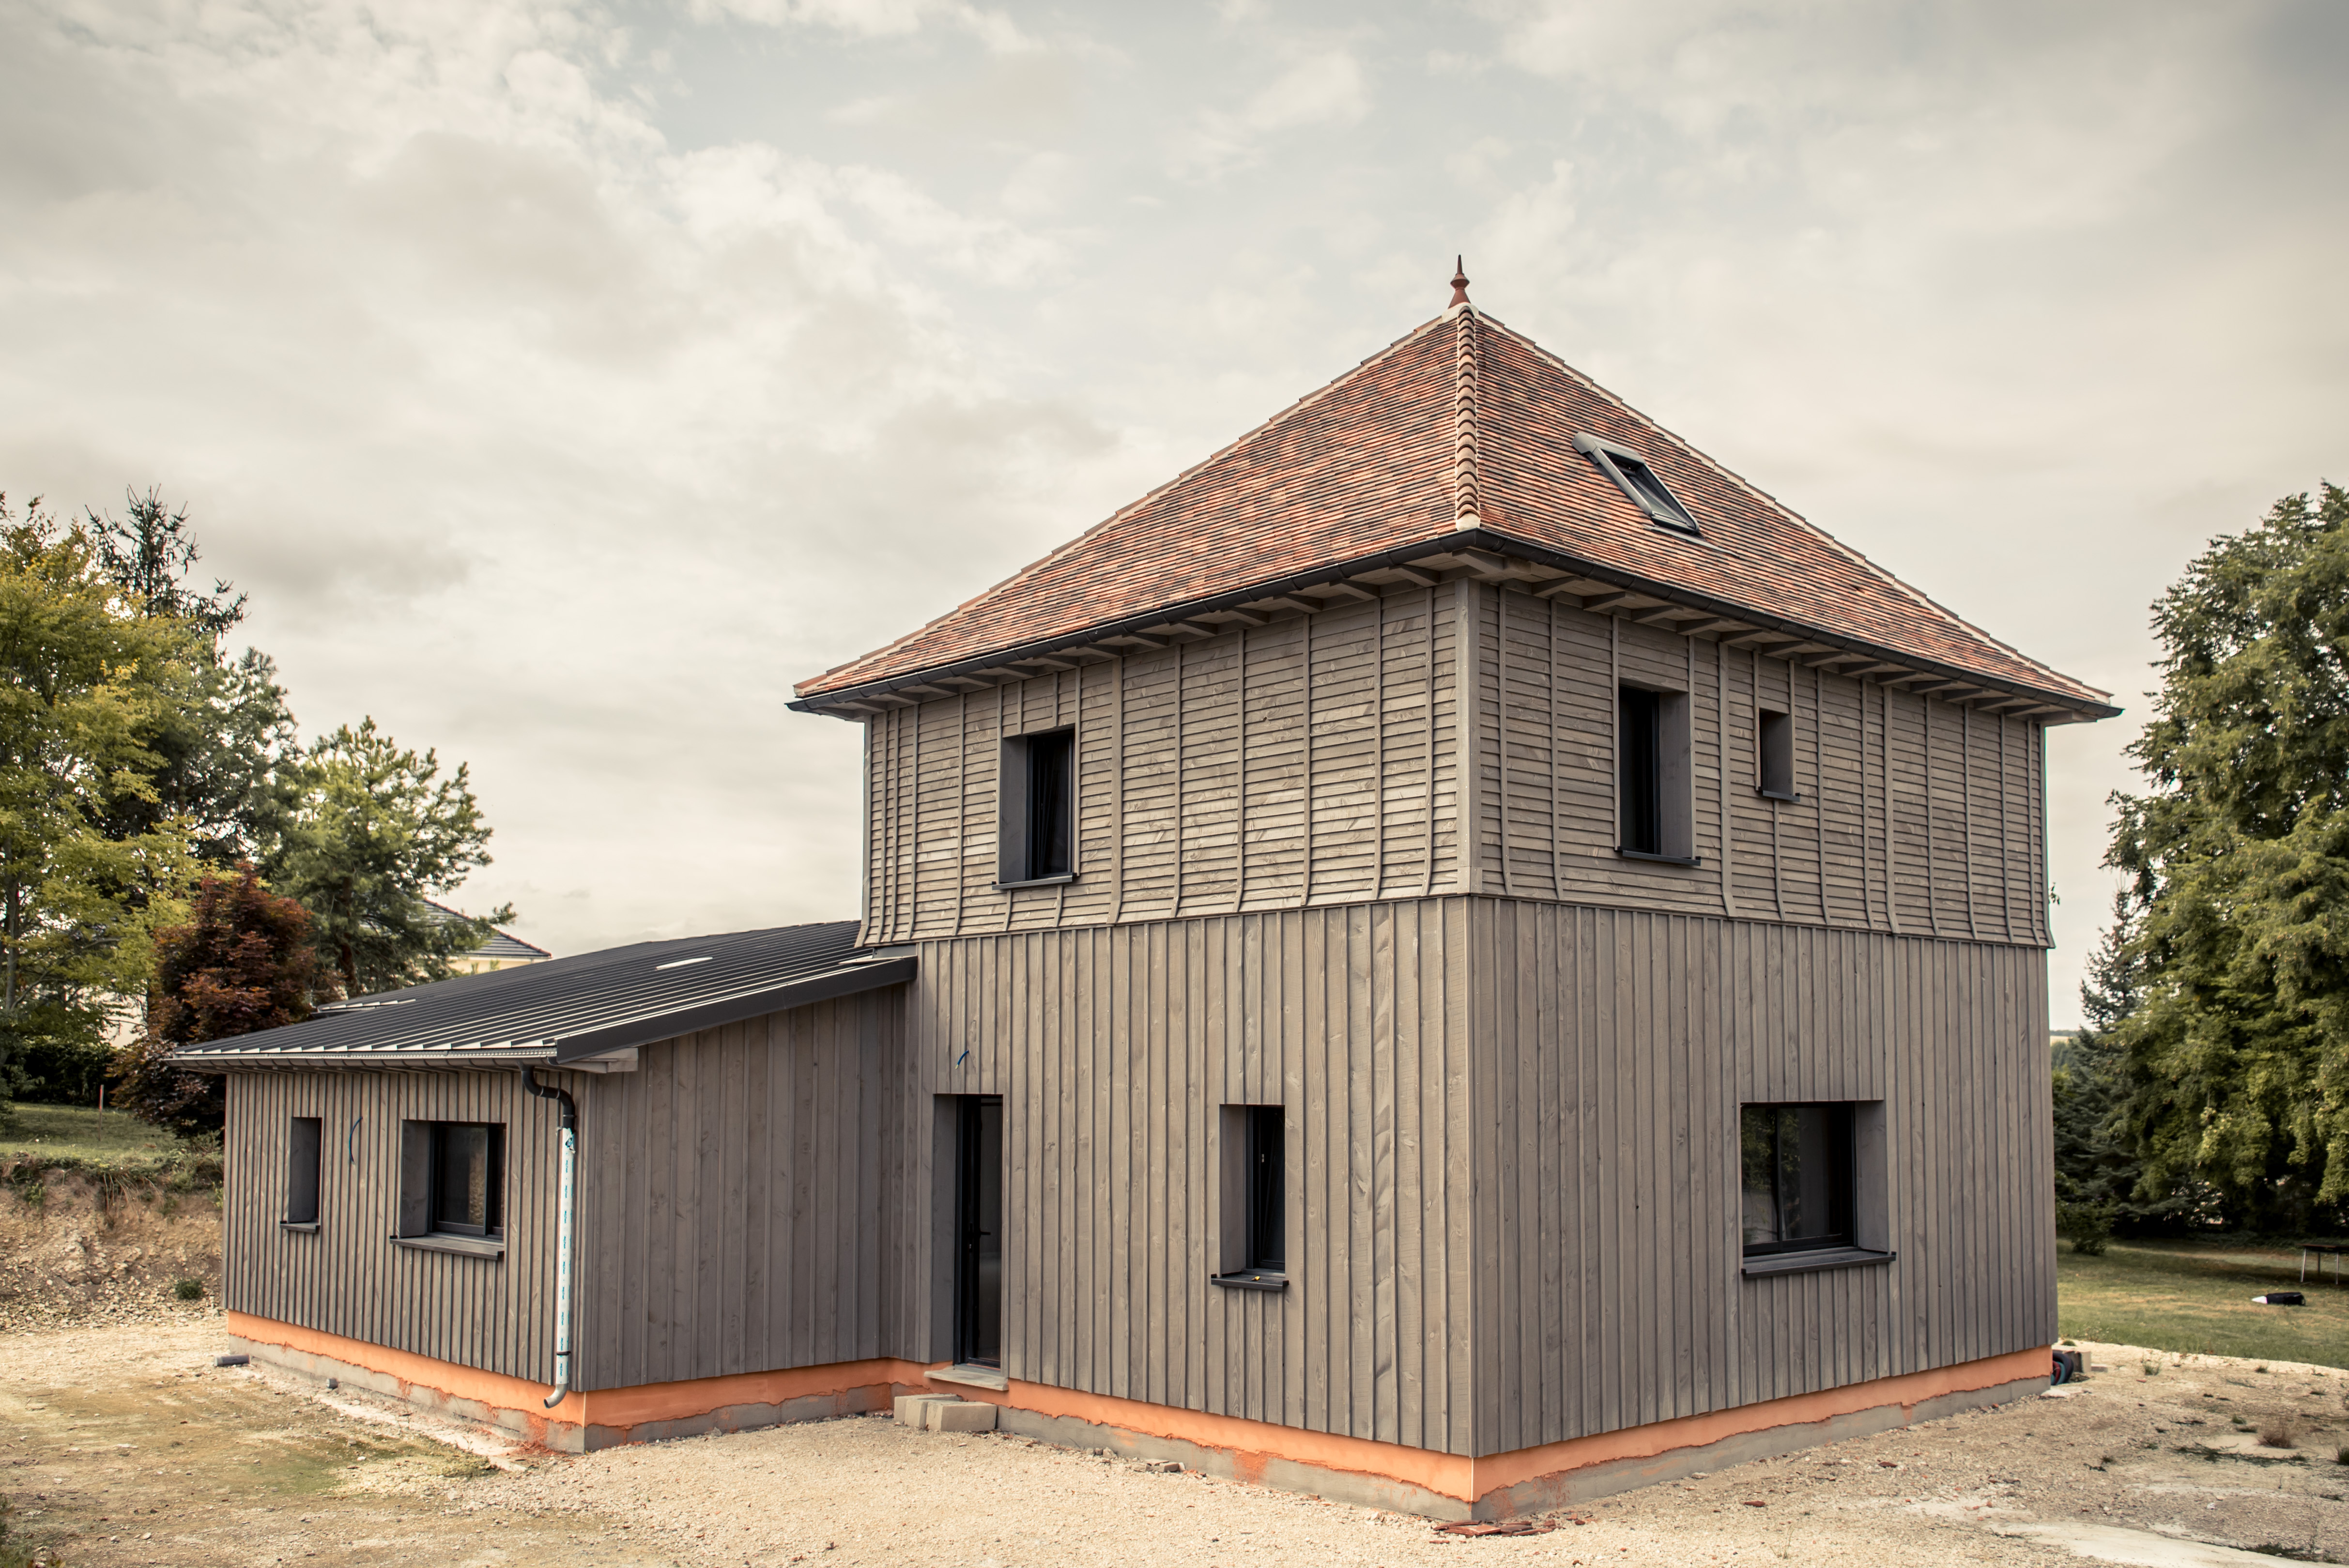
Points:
[(1036, 828), (1654, 809), (1636, 480), (1774, 746)]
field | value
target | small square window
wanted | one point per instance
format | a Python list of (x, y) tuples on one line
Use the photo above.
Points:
[(1255, 1196), (1796, 1164), (1773, 745), (452, 1180), (1636, 480), (1037, 822), (302, 1136)]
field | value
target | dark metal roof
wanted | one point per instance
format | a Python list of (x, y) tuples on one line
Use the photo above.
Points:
[(565, 1009)]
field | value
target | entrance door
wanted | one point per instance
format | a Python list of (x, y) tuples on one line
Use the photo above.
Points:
[(978, 1219)]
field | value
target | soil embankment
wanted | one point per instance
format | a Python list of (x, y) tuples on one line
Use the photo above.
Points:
[(96, 1245)]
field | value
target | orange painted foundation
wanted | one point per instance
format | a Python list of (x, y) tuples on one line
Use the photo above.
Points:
[(1524, 1479), (596, 1418), (1361, 1469)]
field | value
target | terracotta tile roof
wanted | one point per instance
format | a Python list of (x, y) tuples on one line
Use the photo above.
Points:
[(1463, 424)]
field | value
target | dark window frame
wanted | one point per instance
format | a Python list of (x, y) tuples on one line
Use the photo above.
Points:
[(1774, 754), (493, 1206), (304, 1165), (1838, 1186), (1036, 804), (1655, 805), (1255, 1161), (1637, 478)]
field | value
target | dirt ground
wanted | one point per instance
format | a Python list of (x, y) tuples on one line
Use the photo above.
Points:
[(121, 1444)]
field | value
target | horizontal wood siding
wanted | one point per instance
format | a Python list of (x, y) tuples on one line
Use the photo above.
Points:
[(347, 1277), (1615, 1050), (1321, 760), (1114, 1048)]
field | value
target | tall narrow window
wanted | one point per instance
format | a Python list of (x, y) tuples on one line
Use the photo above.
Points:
[(302, 1140), (1640, 771), (1796, 1163), (1654, 802), (1037, 823), (1255, 1198), (1773, 744)]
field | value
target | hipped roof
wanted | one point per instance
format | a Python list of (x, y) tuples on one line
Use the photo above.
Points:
[(1461, 433)]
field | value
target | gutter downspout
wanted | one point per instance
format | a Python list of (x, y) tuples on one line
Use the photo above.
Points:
[(567, 1204)]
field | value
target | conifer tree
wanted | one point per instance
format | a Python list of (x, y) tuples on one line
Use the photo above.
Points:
[(2238, 962)]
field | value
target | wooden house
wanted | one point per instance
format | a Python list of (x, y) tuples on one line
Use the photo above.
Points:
[(1455, 955)]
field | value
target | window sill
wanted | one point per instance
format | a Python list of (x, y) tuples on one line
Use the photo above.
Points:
[(307, 1227), (1819, 1257), (463, 1246), (1779, 794), (1038, 882), (1250, 1280), (1660, 859)]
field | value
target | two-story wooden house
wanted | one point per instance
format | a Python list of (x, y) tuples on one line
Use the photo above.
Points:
[(1455, 955)]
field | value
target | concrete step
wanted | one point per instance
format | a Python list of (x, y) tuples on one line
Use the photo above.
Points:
[(944, 1413)]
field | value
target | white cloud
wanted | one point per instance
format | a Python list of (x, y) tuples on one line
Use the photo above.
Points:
[(1324, 89)]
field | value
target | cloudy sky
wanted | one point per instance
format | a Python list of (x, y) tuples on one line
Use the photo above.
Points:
[(564, 381)]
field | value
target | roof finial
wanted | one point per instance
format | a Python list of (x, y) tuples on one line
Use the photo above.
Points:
[(1459, 282)]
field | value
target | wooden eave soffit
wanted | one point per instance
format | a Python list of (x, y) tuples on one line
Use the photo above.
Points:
[(1538, 579)]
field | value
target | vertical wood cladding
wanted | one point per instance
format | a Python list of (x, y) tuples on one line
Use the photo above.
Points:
[(347, 1277), (1617, 1048), (739, 1205), (1324, 759), (1114, 1047), (1509, 1117), (1512, 1186)]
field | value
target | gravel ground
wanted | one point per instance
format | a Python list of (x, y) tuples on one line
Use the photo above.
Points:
[(124, 1445)]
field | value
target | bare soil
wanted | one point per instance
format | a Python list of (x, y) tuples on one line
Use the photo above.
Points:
[(121, 1444), (71, 1252)]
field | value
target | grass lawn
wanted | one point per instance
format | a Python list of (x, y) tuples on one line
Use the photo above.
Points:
[(79, 1132), (2196, 1297)]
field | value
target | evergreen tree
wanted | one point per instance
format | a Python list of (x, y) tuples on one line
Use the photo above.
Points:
[(2237, 962), (217, 755), (370, 832), (242, 961)]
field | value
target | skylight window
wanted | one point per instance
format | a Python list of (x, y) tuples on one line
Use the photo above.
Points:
[(1635, 479)]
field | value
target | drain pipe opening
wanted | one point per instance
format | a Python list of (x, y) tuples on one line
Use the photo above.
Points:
[(567, 1186)]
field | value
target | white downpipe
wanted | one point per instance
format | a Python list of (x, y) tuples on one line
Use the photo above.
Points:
[(562, 1269)]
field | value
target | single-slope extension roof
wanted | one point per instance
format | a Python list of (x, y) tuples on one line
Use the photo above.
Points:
[(570, 1010)]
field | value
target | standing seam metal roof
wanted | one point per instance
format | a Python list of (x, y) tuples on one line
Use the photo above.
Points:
[(565, 1009)]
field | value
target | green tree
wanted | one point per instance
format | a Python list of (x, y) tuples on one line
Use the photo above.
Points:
[(87, 676), (243, 960), (370, 832), (217, 755), (2238, 1042)]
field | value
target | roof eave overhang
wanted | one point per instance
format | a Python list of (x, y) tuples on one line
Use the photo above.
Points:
[(846, 700)]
